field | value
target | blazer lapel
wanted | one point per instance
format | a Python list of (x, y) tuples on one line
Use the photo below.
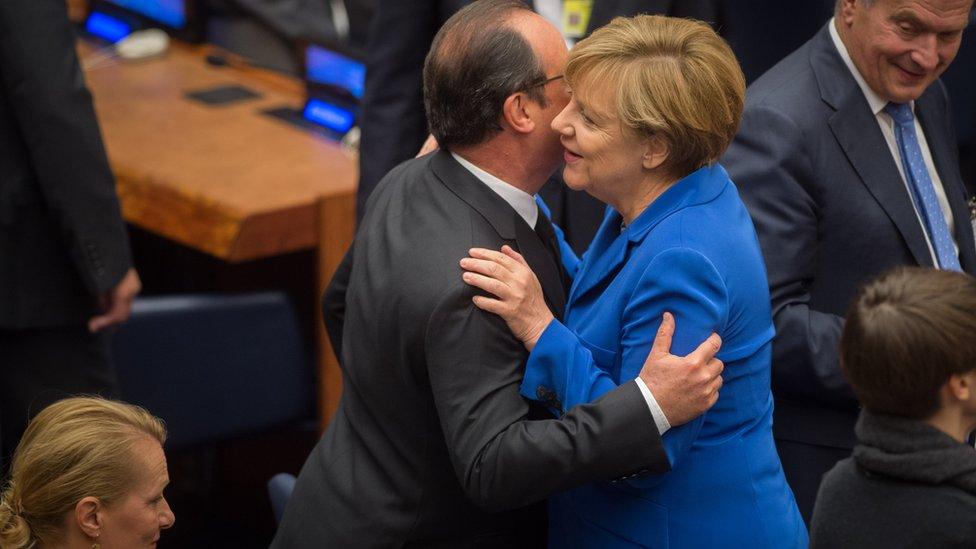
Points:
[(856, 130), (609, 250), (506, 222), (605, 256), (932, 122), (476, 194)]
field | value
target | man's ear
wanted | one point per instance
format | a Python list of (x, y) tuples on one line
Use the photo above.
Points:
[(846, 13), (656, 152), (87, 516), (515, 113)]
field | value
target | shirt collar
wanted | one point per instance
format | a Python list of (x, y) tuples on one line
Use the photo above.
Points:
[(875, 101), (522, 202)]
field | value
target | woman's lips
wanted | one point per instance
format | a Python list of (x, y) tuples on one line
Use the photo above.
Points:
[(570, 157)]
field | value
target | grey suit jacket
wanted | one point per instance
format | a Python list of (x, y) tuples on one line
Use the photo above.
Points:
[(832, 212), (432, 445)]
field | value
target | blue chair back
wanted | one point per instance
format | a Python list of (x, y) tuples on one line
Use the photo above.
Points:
[(215, 366)]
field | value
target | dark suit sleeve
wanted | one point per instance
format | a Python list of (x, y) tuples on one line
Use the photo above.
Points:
[(334, 302), (53, 109), (502, 460), (773, 171), (393, 122)]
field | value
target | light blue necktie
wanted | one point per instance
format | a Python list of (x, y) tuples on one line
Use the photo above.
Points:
[(921, 184)]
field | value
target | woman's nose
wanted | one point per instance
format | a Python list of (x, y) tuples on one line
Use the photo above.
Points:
[(166, 516)]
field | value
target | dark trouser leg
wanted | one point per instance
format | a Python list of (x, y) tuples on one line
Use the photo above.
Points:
[(805, 465), (38, 367)]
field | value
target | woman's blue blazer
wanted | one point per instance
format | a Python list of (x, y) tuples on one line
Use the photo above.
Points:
[(694, 253)]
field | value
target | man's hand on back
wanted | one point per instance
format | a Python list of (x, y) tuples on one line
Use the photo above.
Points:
[(684, 387)]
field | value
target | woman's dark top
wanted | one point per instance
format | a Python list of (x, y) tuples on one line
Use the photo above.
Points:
[(908, 484)]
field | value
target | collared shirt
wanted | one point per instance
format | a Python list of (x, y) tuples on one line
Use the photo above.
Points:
[(887, 125), (524, 204)]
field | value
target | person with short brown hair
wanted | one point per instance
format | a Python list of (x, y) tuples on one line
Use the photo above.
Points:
[(909, 351), (88, 473)]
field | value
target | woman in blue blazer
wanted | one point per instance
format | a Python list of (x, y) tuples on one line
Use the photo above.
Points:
[(655, 103)]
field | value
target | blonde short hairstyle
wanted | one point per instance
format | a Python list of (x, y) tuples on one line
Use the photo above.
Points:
[(74, 448), (674, 78)]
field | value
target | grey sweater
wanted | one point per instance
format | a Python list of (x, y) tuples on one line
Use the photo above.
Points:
[(906, 485)]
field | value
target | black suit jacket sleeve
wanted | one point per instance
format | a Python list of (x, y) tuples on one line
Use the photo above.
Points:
[(334, 302), (475, 368), (43, 84), (773, 171), (393, 123)]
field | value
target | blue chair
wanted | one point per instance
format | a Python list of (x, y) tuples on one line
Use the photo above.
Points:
[(215, 366), (280, 488)]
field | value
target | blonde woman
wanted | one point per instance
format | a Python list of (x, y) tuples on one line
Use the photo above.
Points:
[(89, 473), (655, 102)]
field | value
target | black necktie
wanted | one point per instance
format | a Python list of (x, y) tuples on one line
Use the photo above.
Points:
[(547, 235)]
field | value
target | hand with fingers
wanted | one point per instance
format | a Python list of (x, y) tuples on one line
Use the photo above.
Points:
[(518, 294), (684, 387), (116, 304)]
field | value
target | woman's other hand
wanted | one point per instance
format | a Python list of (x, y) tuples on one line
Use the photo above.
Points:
[(518, 294)]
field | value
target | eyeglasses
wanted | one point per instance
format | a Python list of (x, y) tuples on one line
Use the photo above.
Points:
[(543, 82)]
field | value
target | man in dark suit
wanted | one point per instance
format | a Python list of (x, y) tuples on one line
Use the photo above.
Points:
[(848, 164), (65, 266), (432, 445), (393, 123)]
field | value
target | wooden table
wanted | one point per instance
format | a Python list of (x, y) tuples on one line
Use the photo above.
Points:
[(225, 180)]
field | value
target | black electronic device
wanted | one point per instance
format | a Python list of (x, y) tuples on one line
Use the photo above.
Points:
[(113, 20), (334, 80)]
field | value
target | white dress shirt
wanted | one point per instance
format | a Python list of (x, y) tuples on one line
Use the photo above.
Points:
[(887, 125), (524, 204)]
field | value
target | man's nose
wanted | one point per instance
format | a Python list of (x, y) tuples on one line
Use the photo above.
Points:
[(925, 55)]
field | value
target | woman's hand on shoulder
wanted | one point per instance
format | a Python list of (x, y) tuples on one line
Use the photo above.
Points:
[(518, 294)]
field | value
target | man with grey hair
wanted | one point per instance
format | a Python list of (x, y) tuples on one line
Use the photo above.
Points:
[(432, 445), (847, 162)]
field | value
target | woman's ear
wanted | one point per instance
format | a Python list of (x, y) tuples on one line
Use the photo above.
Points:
[(515, 112), (87, 516), (656, 152)]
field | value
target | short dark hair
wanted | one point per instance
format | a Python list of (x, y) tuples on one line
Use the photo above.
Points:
[(905, 334), (476, 61)]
